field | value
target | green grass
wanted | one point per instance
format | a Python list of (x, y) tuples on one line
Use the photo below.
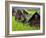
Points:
[(19, 26)]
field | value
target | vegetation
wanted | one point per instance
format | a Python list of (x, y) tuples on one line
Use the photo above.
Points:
[(19, 26)]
